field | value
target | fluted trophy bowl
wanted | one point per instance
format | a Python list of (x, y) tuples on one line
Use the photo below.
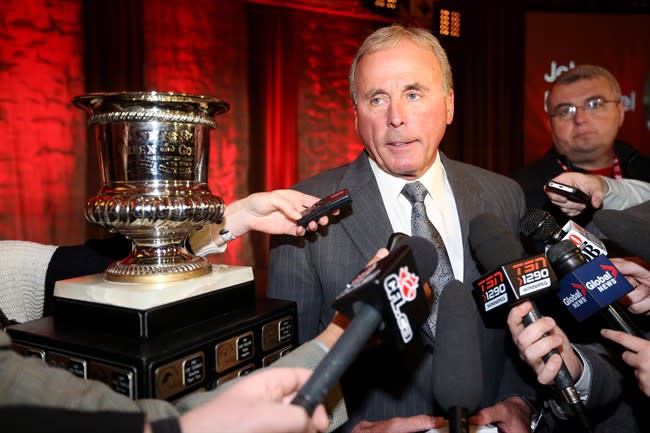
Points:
[(153, 158)]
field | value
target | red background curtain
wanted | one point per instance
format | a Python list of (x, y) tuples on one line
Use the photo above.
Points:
[(282, 66)]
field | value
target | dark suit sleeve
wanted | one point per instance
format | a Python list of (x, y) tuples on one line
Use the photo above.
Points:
[(606, 375), (518, 379), (90, 258)]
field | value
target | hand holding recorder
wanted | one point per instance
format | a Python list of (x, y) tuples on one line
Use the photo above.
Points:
[(325, 206), (573, 192)]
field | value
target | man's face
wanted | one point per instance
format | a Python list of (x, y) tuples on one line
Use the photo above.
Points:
[(401, 112), (588, 135)]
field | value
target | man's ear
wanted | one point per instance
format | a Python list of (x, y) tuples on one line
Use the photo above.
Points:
[(450, 107), (621, 113)]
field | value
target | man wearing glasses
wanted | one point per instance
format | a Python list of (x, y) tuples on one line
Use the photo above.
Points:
[(585, 112)]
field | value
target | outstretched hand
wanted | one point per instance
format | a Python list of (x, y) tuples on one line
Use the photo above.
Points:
[(592, 185), (274, 212), (637, 273), (636, 356), (259, 403), (511, 415)]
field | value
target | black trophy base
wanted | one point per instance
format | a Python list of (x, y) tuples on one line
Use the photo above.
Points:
[(167, 366)]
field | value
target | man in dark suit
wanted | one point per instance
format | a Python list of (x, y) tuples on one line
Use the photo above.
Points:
[(402, 91)]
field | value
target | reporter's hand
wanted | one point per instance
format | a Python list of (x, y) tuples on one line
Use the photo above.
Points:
[(636, 356), (511, 415), (409, 424), (259, 403), (330, 335), (533, 345), (592, 185), (274, 212), (637, 273)]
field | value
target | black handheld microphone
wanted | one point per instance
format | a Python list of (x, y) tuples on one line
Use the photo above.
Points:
[(569, 256), (395, 239), (540, 225), (627, 228), (387, 295), (519, 279), (513, 278), (590, 287), (457, 368)]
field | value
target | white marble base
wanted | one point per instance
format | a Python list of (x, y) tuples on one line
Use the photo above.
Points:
[(143, 296)]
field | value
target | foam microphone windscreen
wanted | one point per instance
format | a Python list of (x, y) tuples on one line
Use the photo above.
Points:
[(457, 368), (493, 242), (628, 228)]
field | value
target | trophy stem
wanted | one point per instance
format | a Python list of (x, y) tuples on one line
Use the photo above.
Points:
[(157, 264)]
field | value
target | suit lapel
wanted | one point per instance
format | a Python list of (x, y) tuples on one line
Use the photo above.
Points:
[(368, 227), (469, 202)]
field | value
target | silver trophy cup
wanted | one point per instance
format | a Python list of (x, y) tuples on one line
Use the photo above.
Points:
[(153, 159)]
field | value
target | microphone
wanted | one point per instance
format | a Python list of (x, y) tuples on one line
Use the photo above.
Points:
[(627, 229), (457, 368), (590, 287), (510, 283), (574, 292), (388, 296), (540, 225), (394, 239), (519, 279)]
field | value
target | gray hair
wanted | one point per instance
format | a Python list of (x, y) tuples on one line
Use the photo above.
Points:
[(389, 37), (586, 72)]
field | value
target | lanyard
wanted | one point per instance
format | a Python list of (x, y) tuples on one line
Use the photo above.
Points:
[(618, 173)]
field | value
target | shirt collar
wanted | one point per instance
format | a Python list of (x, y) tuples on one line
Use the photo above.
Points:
[(391, 186)]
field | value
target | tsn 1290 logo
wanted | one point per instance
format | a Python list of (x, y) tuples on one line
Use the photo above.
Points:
[(493, 289), (532, 274)]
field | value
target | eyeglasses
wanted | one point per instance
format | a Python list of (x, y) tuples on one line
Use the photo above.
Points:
[(592, 105)]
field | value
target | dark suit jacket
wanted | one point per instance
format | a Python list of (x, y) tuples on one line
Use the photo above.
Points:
[(615, 403), (312, 271)]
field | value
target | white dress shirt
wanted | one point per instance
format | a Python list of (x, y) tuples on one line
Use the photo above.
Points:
[(440, 205)]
